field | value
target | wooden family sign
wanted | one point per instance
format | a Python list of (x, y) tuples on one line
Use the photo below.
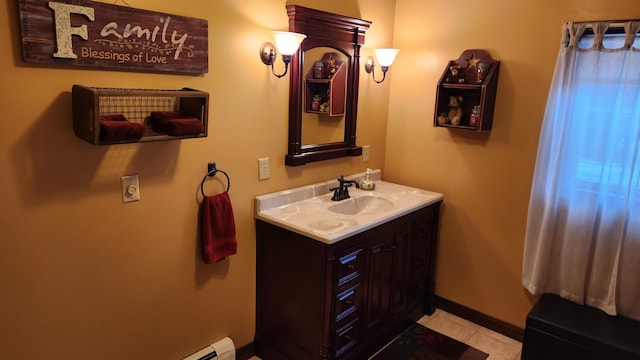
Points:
[(86, 33)]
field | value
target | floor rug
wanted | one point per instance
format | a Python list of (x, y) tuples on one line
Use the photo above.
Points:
[(421, 343)]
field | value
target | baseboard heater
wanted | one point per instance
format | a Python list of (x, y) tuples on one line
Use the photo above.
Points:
[(220, 350)]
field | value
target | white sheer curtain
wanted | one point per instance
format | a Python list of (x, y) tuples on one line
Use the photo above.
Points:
[(583, 231)]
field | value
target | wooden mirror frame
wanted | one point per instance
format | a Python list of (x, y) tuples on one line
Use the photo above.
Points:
[(344, 34)]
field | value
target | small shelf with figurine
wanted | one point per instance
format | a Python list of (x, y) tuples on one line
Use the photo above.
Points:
[(466, 92), (326, 86)]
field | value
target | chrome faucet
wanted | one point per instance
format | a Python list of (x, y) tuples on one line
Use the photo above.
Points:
[(342, 192)]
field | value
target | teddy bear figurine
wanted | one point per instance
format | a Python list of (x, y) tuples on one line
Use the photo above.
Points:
[(454, 114), (455, 75)]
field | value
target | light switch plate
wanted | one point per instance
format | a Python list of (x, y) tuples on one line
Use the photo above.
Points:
[(130, 188), (263, 168), (365, 153)]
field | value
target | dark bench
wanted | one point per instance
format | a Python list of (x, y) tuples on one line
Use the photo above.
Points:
[(560, 329)]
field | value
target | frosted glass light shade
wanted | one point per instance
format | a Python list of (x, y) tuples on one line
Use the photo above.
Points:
[(287, 42), (386, 57)]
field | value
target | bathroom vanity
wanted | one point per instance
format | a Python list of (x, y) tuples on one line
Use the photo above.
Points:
[(337, 280)]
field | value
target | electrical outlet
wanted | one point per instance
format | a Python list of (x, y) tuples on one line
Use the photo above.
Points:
[(263, 168), (130, 188), (365, 153)]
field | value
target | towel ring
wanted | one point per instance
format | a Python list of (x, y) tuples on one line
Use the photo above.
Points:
[(212, 172)]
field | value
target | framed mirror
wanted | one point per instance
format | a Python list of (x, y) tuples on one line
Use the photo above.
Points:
[(324, 77)]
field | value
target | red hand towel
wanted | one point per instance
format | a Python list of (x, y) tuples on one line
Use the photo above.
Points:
[(218, 228), (179, 126), (118, 128), (175, 123), (166, 114), (113, 117)]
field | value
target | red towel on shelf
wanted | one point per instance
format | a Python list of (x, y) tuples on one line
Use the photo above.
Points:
[(116, 127), (113, 117), (218, 228), (166, 114), (175, 123)]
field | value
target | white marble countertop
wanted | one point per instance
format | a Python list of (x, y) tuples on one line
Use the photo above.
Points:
[(306, 210)]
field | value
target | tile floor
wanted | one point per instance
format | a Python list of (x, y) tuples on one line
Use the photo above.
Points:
[(498, 346)]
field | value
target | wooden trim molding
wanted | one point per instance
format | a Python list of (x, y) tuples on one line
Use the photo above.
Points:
[(479, 318)]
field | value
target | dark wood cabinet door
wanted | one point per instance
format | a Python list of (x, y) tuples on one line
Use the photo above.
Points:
[(379, 264), (401, 267)]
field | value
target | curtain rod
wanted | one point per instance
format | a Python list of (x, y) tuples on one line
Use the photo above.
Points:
[(616, 23), (615, 26)]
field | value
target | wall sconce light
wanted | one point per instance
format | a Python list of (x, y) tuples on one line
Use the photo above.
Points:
[(287, 44), (385, 58)]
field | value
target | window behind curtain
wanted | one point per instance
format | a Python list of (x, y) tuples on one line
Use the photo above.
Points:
[(602, 107)]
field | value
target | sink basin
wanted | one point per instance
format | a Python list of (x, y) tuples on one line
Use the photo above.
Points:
[(362, 205), (331, 224)]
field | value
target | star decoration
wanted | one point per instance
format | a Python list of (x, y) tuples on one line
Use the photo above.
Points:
[(473, 61)]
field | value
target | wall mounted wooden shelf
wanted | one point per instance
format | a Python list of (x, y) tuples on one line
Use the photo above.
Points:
[(477, 88), (91, 105)]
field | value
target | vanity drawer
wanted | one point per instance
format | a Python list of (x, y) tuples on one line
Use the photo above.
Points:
[(348, 302), (349, 266), (346, 338)]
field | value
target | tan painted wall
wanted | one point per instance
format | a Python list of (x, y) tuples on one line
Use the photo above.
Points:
[(85, 276), (485, 177)]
